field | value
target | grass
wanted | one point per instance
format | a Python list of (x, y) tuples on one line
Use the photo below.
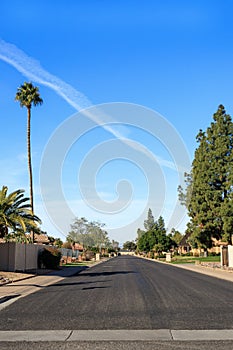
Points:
[(192, 259), (82, 263)]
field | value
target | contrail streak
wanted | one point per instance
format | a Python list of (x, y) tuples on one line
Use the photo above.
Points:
[(33, 70)]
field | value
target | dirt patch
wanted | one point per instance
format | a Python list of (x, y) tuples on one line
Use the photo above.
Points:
[(8, 277)]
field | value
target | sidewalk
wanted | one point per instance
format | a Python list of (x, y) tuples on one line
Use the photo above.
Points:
[(210, 271), (12, 291)]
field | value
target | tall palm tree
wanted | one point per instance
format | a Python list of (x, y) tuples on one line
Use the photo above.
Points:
[(28, 95), (15, 212)]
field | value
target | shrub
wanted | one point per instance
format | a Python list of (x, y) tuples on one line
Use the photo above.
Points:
[(189, 254), (214, 254), (161, 256), (90, 255), (152, 255), (49, 258)]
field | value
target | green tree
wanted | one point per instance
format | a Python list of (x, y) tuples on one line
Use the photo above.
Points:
[(176, 236), (154, 239), (90, 234), (28, 95), (209, 193), (79, 232), (98, 234), (58, 242), (163, 241), (143, 243), (139, 234), (15, 213), (129, 245), (149, 222)]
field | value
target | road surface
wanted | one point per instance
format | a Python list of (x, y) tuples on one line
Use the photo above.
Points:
[(131, 296)]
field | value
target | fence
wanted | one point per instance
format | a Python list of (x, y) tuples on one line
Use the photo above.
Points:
[(227, 256), (69, 253), (19, 256), (22, 257)]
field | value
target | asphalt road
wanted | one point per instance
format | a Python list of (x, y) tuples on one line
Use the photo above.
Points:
[(223, 345), (139, 303), (126, 293)]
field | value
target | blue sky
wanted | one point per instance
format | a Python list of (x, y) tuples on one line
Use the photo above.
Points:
[(173, 57)]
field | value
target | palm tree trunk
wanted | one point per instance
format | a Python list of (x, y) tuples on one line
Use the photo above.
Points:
[(30, 164)]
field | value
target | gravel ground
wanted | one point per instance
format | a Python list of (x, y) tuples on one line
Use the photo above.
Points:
[(8, 277)]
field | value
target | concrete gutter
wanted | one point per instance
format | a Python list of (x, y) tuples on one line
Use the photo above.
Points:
[(116, 335)]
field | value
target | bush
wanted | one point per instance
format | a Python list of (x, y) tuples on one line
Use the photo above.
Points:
[(49, 258), (151, 255), (214, 254), (189, 254), (161, 256)]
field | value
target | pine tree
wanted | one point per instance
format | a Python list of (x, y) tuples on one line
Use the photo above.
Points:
[(149, 222), (209, 193), (155, 238)]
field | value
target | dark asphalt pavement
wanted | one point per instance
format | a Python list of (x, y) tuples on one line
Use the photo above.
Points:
[(126, 293), (223, 345)]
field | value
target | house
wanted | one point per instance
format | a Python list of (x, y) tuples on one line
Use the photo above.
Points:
[(77, 246), (126, 252), (184, 247), (41, 238), (38, 238)]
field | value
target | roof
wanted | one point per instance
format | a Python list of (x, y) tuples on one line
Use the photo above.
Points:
[(77, 246), (40, 238), (184, 240)]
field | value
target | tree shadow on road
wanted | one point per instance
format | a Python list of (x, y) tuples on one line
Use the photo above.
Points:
[(105, 273)]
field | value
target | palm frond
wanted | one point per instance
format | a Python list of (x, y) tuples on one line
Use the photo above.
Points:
[(15, 211)]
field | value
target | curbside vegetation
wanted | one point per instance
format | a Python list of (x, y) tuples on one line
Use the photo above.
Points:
[(49, 258)]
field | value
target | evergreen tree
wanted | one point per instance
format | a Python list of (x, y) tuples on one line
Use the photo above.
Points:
[(154, 239), (139, 233), (176, 236), (149, 222), (209, 191)]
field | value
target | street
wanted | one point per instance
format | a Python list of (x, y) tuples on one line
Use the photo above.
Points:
[(128, 293)]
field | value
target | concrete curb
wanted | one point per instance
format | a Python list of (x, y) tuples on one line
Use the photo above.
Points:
[(116, 335)]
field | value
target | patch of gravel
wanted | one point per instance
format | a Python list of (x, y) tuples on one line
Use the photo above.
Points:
[(9, 277), (215, 265)]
